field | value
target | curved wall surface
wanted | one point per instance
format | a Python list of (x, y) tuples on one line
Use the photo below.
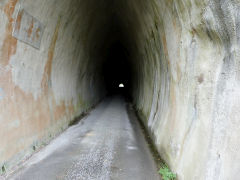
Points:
[(43, 88), (185, 67), (187, 83)]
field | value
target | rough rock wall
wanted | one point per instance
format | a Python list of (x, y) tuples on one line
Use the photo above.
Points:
[(43, 88), (187, 85)]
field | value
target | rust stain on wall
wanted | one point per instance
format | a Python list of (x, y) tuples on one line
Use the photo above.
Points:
[(25, 29), (30, 30), (19, 20), (38, 33), (59, 111), (34, 116), (48, 66), (9, 46)]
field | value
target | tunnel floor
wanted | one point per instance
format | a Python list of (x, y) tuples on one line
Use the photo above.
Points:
[(106, 144)]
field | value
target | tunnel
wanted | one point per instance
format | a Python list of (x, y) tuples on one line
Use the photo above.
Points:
[(176, 62)]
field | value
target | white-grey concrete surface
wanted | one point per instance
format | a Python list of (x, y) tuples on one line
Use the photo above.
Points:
[(106, 144)]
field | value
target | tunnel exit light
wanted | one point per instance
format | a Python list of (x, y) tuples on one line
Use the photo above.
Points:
[(121, 85)]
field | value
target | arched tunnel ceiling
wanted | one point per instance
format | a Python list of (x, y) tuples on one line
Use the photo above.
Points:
[(183, 66)]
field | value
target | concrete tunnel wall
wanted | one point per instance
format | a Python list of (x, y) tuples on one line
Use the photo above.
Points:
[(185, 84), (43, 89)]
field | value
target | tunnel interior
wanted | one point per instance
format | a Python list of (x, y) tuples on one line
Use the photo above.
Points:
[(115, 54), (177, 60), (117, 69)]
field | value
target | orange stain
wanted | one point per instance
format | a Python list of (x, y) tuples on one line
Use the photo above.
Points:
[(9, 46), (38, 33), (19, 20), (48, 66), (30, 29), (34, 114), (59, 111)]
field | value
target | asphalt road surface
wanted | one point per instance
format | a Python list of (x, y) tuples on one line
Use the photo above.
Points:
[(107, 144)]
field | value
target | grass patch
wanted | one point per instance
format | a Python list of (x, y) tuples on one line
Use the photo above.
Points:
[(167, 174), (164, 170)]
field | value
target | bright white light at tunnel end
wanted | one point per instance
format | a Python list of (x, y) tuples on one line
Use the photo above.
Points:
[(121, 85)]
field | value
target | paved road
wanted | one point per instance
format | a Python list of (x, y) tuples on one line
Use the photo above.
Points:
[(106, 144)]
